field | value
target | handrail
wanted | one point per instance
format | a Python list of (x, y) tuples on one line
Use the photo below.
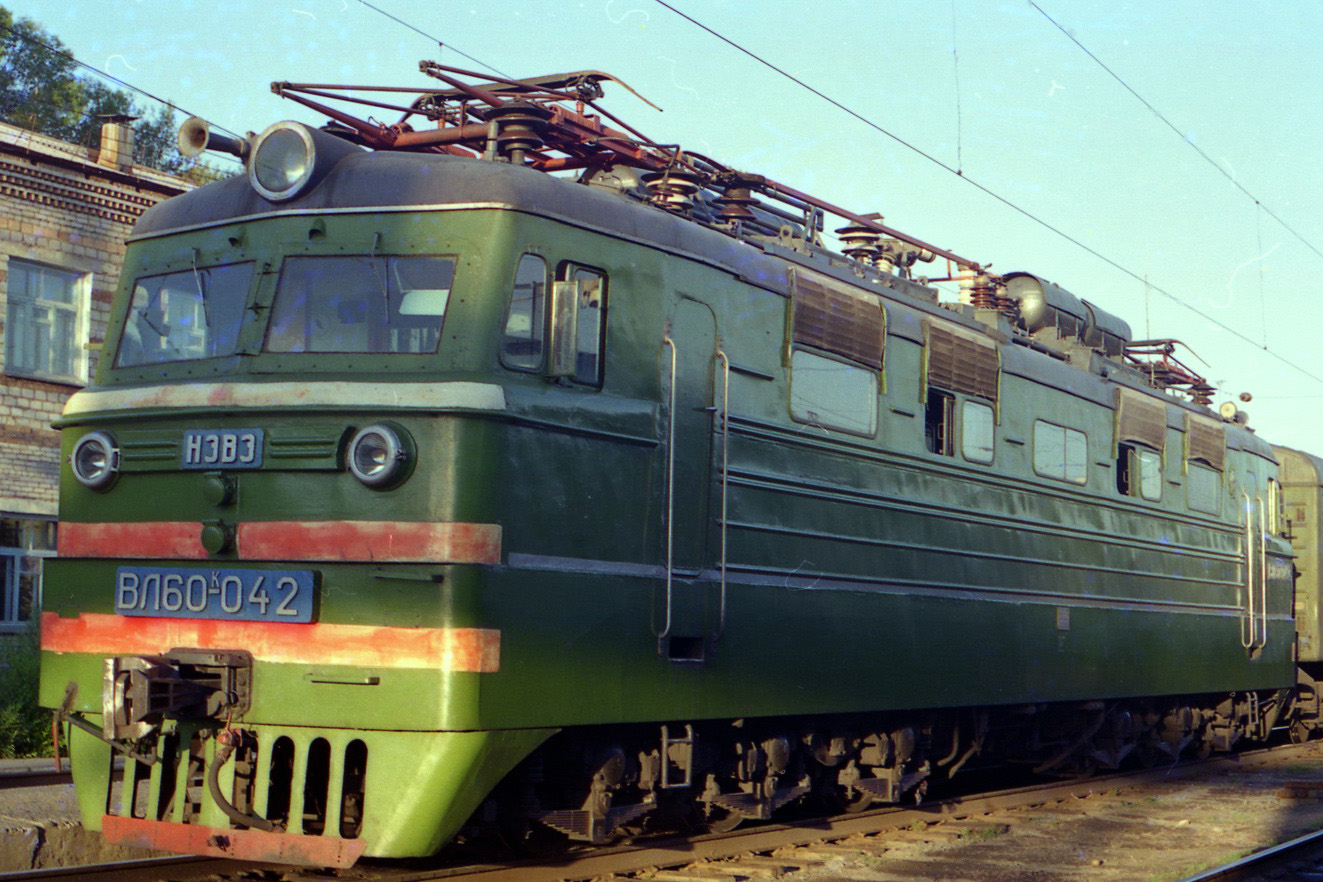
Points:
[(670, 494), (1263, 570), (725, 477), (1247, 633)]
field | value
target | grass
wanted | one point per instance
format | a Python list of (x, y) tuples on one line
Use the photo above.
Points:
[(25, 728), (1194, 868)]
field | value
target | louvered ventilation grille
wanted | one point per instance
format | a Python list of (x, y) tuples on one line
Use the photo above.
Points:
[(834, 319), (1141, 418), (962, 364), (1206, 441)]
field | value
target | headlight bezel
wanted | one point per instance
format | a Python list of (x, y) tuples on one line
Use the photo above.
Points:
[(97, 477), (397, 455), (263, 147)]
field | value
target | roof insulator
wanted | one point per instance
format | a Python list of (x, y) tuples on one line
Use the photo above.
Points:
[(673, 190)]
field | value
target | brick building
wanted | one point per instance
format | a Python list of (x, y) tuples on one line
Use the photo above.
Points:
[(65, 211)]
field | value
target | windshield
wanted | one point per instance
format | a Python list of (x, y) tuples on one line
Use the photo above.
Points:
[(186, 315), (374, 303)]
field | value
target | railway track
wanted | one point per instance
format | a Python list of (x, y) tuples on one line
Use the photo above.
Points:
[(1300, 859), (11, 779), (41, 773), (764, 851)]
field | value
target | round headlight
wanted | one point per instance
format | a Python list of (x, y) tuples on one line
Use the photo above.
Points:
[(95, 460), (282, 161), (379, 455)]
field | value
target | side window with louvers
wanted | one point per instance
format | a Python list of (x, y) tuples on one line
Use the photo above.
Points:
[(837, 345)]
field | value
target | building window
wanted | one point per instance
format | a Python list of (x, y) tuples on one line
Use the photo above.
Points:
[(24, 545), (1060, 453), (45, 326), (976, 431), (832, 394)]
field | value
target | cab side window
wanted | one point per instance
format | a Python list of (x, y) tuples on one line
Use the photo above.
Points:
[(589, 324), (521, 345)]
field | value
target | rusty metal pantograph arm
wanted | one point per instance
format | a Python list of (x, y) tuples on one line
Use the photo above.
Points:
[(569, 138), (670, 494), (725, 479)]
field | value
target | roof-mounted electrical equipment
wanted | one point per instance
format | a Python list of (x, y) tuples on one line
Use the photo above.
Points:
[(1042, 306)]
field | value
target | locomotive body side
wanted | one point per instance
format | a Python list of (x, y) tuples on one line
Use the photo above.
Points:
[(710, 515)]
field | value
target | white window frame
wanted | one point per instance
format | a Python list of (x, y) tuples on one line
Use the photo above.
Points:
[(19, 309), (11, 563)]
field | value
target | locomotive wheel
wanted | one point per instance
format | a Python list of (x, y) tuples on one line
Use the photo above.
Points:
[(721, 820), (1300, 732), (846, 800), (536, 840)]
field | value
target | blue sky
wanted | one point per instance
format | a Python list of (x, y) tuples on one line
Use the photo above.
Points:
[(991, 87)]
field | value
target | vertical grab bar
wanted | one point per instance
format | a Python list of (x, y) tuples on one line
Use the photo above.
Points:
[(725, 477), (1263, 571), (670, 493), (1247, 635)]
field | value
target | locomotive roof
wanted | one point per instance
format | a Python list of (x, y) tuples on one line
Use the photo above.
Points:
[(384, 181)]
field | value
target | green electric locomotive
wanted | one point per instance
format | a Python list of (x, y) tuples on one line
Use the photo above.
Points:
[(515, 472)]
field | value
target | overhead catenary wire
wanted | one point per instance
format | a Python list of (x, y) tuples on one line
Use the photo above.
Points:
[(1169, 124), (101, 73), (440, 43), (996, 196)]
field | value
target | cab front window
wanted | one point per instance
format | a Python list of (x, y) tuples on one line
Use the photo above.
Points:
[(184, 316), (370, 303)]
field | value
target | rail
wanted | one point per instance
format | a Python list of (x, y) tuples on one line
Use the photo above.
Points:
[(1259, 864), (679, 851)]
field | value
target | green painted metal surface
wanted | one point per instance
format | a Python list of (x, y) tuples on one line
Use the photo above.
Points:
[(862, 574)]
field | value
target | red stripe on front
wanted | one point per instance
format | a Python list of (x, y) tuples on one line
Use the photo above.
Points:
[(379, 541), (457, 650), (249, 845), (370, 541), (146, 539)]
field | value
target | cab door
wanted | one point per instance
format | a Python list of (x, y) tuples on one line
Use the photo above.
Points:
[(687, 611)]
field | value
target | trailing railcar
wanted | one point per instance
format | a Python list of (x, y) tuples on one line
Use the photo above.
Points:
[(426, 489)]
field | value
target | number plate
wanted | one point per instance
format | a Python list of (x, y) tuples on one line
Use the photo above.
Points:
[(198, 593), (222, 448)]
